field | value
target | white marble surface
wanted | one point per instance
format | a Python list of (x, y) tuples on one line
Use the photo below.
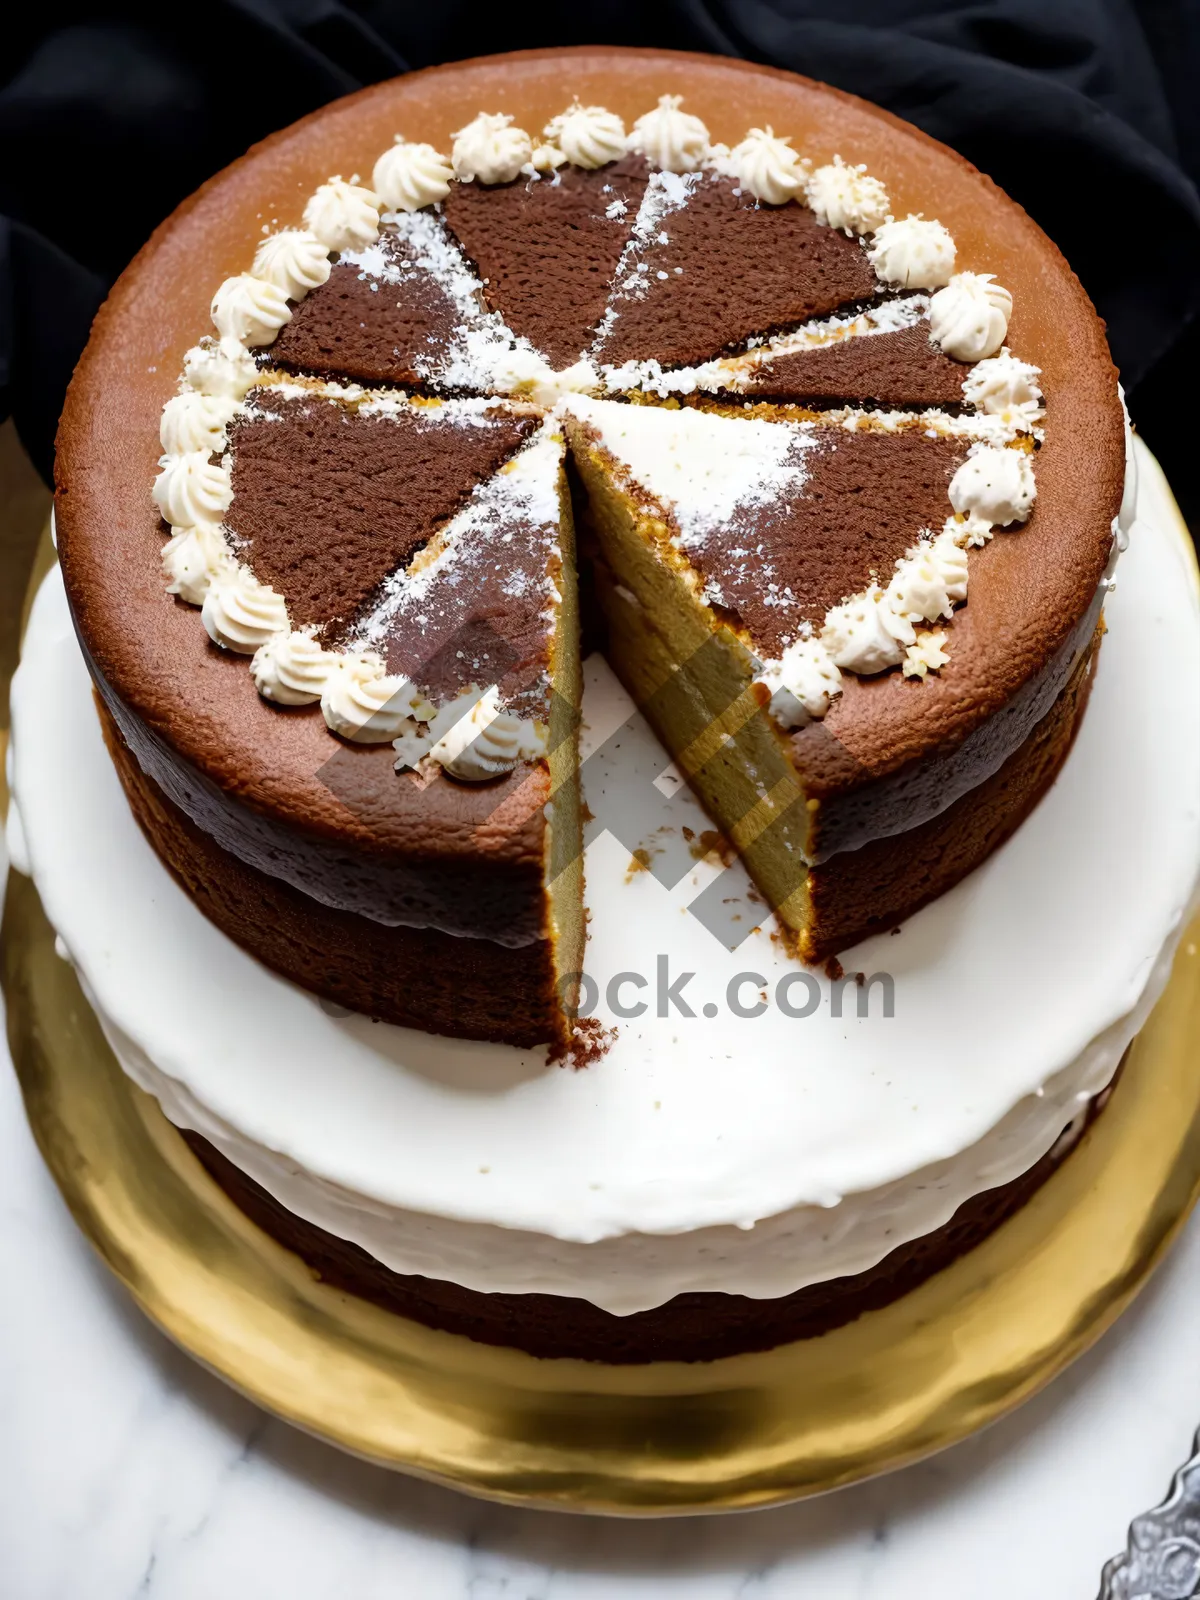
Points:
[(126, 1470)]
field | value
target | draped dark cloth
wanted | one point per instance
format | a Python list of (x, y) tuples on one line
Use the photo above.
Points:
[(1085, 111)]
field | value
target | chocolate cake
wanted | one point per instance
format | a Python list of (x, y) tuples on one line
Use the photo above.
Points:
[(801, 419)]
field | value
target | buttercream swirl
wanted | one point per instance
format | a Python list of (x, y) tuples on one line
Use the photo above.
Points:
[(847, 197), (344, 216), (802, 682), (914, 252), (190, 557), (766, 164), (295, 261), (996, 485), (292, 669), (929, 581), (589, 136), (249, 310), (1002, 384), (240, 613), (362, 702), (410, 176), (474, 739), (670, 138), (191, 488), (192, 421), (490, 150), (969, 317), (224, 368), (865, 635)]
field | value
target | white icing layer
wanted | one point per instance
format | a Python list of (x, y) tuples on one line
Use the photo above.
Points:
[(295, 261), (191, 558), (1004, 386), (344, 216), (192, 421), (365, 704), (803, 683), (744, 1155), (292, 669), (475, 739), (249, 310), (767, 165), (240, 613), (223, 368), (190, 489), (913, 252), (995, 485)]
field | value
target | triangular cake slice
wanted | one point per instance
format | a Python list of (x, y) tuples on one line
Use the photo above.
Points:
[(408, 309), (881, 355), (546, 248), (484, 623), (332, 495), (708, 268), (741, 556)]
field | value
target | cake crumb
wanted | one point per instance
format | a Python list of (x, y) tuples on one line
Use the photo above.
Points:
[(834, 969), (710, 843), (590, 1041)]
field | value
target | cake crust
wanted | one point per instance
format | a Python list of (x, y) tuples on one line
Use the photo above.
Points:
[(272, 789)]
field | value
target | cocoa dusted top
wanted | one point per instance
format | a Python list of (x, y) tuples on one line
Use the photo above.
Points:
[(328, 501), (863, 500), (546, 248), (721, 268), (111, 533)]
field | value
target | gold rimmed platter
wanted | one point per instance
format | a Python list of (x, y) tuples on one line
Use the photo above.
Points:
[(899, 1383)]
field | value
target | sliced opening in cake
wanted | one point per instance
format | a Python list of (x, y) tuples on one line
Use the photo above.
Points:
[(727, 541)]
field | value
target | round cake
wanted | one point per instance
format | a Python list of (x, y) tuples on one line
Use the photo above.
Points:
[(799, 376), (395, 434)]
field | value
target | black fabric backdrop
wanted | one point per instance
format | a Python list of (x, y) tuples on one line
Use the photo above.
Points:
[(1086, 111)]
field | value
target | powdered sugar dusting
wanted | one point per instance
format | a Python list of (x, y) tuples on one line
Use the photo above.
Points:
[(521, 500), (664, 193), (482, 353), (735, 372), (704, 468)]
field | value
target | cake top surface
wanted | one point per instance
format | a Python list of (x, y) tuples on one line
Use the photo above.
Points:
[(462, 292)]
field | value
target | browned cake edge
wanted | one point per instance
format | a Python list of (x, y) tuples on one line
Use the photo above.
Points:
[(699, 1326), (414, 977)]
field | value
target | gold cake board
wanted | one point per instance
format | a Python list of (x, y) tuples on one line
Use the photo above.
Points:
[(901, 1382)]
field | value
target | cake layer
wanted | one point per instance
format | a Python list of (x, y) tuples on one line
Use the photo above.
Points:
[(485, 271), (413, 977), (732, 1154), (852, 894), (386, 315), (900, 368), (691, 1327), (781, 520)]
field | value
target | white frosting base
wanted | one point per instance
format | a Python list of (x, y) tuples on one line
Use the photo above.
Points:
[(744, 1155)]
